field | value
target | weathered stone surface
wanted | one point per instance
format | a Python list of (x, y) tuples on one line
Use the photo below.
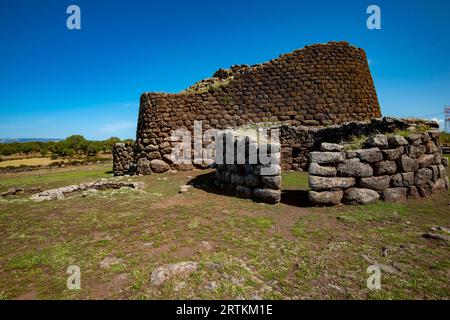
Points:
[(143, 166), (327, 157), (431, 147), (408, 164), (416, 151), (325, 146), (376, 183), (423, 176), (393, 154), (161, 274), (354, 168), (360, 196), (385, 167), (404, 179), (396, 141), (368, 155), (424, 190), (395, 194), (327, 183), (439, 186), (425, 160), (244, 192), (271, 182), (251, 180), (154, 155), (318, 170), (325, 198), (445, 161), (182, 166), (267, 195), (413, 193), (159, 166), (379, 140)]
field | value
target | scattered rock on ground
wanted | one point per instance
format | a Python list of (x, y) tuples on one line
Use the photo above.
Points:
[(161, 274)]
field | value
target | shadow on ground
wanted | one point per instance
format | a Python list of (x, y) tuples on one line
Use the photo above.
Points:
[(205, 182)]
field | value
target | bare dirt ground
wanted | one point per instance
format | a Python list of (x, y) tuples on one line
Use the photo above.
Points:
[(242, 249)]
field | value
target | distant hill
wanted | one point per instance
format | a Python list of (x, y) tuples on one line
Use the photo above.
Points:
[(28, 140)]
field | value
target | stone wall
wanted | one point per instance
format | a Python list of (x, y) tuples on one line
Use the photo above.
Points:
[(123, 159), (388, 167), (319, 85), (257, 181), (298, 141)]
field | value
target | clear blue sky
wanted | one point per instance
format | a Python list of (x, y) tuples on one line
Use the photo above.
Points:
[(55, 82)]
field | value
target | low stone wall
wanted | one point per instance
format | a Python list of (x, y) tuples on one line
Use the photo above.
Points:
[(123, 159), (388, 167), (257, 181)]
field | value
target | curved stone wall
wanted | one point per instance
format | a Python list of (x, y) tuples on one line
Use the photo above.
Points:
[(318, 85)]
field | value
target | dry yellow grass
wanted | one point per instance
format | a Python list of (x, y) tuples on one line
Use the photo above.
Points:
[(27, 162)]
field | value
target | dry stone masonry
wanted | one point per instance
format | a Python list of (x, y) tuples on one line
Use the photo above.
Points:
[(319, 85), (258, 181), (388, 167)]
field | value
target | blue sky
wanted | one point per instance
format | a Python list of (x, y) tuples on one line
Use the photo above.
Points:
[(55, 82)]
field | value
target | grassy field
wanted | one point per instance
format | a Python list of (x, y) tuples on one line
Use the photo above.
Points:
[(243, 249)]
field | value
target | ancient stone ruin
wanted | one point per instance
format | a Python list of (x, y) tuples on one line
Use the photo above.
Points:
[(316, 98), (389, 167), (319, 85)]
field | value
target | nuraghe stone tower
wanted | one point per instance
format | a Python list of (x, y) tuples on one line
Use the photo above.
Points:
[(317, 86)]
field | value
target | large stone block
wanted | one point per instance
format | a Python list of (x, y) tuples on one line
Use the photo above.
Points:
[(423, 176), (379, 140), (325, 198), (396, 141), (159, 166), (267, 195), (360, 196), (354, 168), (408, 164), (367, 155), (376, 183), (385, 167), (328, 183), (318, 170), (326, 157), (325, 146), (395, 194), (393, 154)]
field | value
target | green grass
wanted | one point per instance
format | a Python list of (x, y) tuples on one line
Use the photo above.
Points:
[(256, 250)]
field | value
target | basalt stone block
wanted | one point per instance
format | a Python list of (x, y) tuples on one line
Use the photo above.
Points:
[(159, 166), (397, 141), (154, 155), (393, 154), (444, 161), (437, 158), (376, 183), (251, 180), (325, 198), (379, 140), (402, 179), (414, 139), (367, 155), (271, 182), (325, 146), (267, 195), (143, 166), (395, 194), (244, 192), (434, 134), (413, 193), (408, 164), (326, 157), (360, 196), (425, 160), (354, 168), (424, 190), (328, 183), (423, 176), (416, 151), (439, 186), (183, 166), (385, 167), (318, 170), (431, 147)]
